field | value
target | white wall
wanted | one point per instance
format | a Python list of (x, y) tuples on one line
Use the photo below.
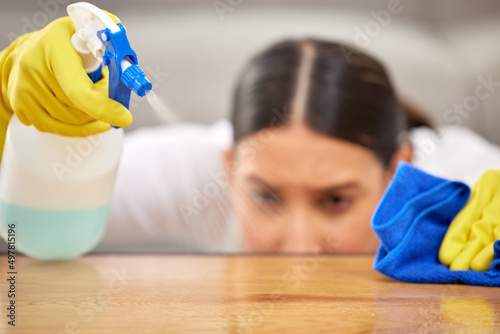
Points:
[(435, 50)]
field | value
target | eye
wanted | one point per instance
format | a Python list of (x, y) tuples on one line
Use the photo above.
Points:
[(265, 197), (335, 202)]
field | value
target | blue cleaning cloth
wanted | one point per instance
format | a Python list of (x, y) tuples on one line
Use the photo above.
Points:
[(411, 221)]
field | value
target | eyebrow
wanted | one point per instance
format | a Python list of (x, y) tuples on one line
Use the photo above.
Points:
[(327, 189)]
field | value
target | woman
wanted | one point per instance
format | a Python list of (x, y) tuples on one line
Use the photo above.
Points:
[(315, 140)]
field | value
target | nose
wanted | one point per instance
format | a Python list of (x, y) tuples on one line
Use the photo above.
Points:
[(301, 234)]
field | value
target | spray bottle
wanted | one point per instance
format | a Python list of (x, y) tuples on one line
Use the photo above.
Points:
[(55, 191)]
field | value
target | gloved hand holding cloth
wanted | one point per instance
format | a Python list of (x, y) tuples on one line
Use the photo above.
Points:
[(414, 216), (469, 242)]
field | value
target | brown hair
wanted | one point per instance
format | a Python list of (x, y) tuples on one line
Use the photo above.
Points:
[(347, 94)]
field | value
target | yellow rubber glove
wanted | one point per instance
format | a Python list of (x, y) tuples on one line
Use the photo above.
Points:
[(43, 82), (468, 243)]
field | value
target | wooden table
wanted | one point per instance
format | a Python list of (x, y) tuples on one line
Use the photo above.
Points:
[(148, 294)]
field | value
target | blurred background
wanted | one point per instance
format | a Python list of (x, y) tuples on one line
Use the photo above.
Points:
[(441, 53)]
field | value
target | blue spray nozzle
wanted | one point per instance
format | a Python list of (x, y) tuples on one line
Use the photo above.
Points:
[(101, 41), (134, 78), (124, 73)]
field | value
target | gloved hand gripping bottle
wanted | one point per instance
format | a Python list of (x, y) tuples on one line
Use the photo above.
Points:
[(55, 190)]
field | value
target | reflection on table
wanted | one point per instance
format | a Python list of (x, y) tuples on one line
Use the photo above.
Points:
[(148, 294)]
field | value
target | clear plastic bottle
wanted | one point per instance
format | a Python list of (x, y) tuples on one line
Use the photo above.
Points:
[(57, 189)]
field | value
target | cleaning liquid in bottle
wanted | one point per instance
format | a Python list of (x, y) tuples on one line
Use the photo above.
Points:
[(55, 190)]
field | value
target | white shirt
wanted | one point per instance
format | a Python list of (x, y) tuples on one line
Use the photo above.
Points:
[(168, 173), (454, 153), (171, 194)]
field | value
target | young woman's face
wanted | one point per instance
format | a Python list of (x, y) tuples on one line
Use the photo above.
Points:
[(297, 191)]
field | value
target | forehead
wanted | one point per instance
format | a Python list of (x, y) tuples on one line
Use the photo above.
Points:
[(297, 155)]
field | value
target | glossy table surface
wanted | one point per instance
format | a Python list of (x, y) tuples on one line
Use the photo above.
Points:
[(147, 294)]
